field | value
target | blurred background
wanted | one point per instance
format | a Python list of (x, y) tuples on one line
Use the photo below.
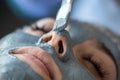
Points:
[(16, 13)]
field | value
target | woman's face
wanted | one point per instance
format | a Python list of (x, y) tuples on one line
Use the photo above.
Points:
[(56, 55)]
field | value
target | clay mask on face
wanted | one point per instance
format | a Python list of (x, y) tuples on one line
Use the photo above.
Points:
[(85, 31), (68, 68), (14, 68)]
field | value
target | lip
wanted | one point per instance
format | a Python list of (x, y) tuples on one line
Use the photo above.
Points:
[(37, 64), (40, 61)]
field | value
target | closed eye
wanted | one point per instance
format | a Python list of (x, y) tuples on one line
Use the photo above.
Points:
[(97, 66), (41, 27), (97, 59)]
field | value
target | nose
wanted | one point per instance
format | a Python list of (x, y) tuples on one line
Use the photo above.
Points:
[(58, 42)]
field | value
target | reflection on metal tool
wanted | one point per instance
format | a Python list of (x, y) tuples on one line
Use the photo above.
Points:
[(63, 15)]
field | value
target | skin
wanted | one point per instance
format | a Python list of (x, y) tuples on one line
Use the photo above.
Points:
[(55, 54)]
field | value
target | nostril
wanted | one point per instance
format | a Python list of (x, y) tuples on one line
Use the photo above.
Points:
[(61, 48), (47, 38), (61, 52)]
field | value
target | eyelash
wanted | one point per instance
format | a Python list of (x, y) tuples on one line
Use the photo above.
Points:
[(97, 66)]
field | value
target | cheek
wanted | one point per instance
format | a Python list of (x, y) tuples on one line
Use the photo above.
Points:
[(11, 68)]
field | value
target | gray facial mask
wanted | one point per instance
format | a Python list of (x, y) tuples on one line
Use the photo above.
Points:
[(70, 69), (13, 69), (81, 31)]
